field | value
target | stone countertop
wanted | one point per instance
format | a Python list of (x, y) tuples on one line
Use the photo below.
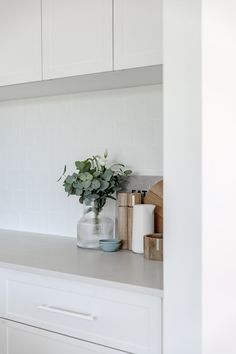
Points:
[(59, 256)]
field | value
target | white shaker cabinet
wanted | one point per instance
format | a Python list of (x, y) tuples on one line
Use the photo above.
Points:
[(123, 320), (137, 33), (16, 338), (67, 301), (20, 41), (77, 37)]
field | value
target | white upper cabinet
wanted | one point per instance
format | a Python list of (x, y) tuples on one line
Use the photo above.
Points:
[(137, 33), (77, 37), (20, 41), (48, 39)]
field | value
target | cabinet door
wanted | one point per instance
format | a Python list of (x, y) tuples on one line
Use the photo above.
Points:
[(137, 33), (16, 338), (77, 37), (20, 41)]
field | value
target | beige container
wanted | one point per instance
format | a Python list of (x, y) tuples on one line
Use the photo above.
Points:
[(122, 199), (133, 199), (123, 226), (125, 202)]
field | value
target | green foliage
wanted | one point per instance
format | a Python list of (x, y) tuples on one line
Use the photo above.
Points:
[(95, 180)]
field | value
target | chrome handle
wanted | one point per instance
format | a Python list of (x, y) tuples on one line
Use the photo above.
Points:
[(54, 309)]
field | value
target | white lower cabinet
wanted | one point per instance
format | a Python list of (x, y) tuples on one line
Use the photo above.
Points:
[(17, 338), (115, 320)]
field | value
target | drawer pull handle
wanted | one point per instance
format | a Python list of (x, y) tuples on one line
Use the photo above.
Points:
[(54, 309)]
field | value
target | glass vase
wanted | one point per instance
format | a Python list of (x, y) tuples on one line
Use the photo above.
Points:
[(93, 226)]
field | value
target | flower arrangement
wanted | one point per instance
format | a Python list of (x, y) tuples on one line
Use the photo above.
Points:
[(94, 179)]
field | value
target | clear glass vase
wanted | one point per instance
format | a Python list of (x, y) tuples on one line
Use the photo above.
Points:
[(93, 226)]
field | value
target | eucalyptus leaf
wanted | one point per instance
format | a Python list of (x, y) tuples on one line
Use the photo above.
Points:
[(87, 193), (96, 184), (78, 191), (107, 174), (104, 185), (87, 166), (67, 187), (85, 176), (86, 184), (63, 174), (96, 173), (128, 172), (70, 179), (79, 165), (78, 184)]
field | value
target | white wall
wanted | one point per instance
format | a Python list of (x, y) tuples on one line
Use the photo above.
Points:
[(200, 140), (39, 136), (219, 177), (182, 176)]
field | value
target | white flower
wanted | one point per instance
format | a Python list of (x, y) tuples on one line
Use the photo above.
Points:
[(103, 160)]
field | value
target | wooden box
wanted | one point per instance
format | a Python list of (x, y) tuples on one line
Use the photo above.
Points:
[(153, 247)]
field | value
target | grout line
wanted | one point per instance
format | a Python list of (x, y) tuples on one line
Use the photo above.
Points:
[(113, 35), (41, 39)]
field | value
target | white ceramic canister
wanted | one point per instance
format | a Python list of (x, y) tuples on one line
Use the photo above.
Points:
[(143, 224)]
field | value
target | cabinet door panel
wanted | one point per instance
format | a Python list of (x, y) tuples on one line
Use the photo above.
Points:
[(77, 37), (20, 339), (20, 41), (137, 33)]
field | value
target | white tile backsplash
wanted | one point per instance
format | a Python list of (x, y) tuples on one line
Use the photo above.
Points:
[(39, 136)]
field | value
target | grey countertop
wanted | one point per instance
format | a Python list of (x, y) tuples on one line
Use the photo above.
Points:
[(59, 256)]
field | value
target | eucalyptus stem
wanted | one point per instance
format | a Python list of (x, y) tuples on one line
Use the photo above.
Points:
[(96, 219)]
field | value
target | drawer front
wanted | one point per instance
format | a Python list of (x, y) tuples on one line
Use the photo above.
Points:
[(118, 319), (17, 338)]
